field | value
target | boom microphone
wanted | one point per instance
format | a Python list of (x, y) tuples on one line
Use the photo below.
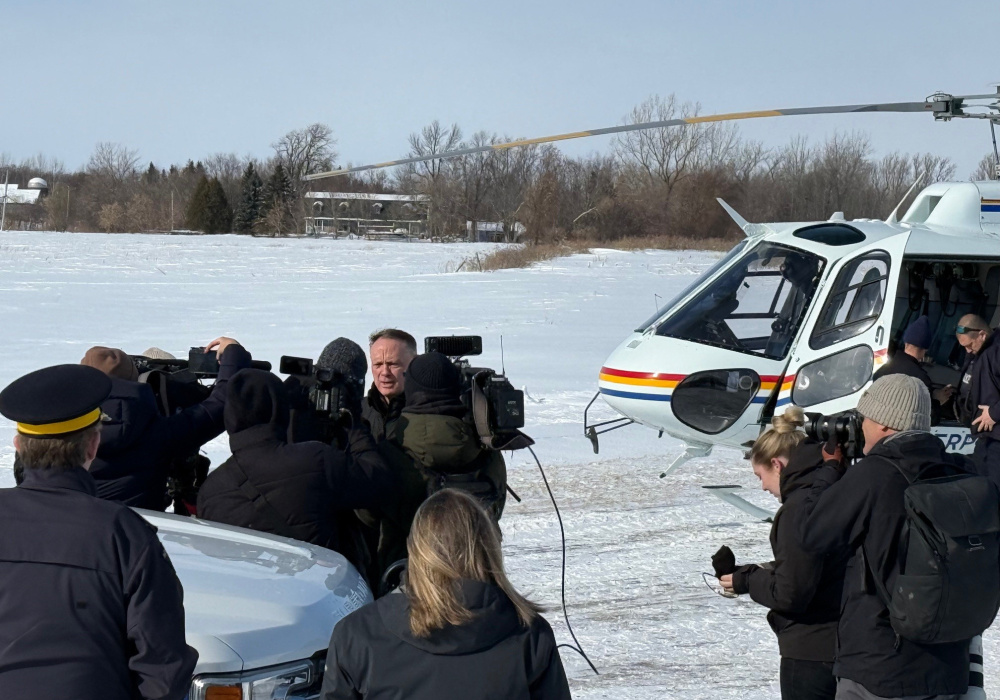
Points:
[(347, 358)]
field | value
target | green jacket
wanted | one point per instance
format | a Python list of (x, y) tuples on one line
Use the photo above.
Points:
[(426, 452)]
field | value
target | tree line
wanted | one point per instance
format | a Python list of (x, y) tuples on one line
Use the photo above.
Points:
[(649, 184)]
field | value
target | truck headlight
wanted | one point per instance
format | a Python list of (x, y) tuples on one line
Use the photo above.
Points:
[(284, 682)]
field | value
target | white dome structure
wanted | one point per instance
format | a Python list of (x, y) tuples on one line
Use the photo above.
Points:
[(37, 183)]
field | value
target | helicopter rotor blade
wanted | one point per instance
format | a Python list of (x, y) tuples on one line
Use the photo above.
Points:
[(940, 105)]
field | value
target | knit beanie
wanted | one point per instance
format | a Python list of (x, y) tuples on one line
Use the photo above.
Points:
[(897, 401), (433, 372), (918, 333), (155, 353), (112, 361)]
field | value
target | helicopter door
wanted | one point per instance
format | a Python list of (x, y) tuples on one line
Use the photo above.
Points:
[(846, 336)]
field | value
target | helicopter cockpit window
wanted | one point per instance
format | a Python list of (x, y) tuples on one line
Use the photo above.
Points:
[(755, 307), (718, 265), (855, 300)]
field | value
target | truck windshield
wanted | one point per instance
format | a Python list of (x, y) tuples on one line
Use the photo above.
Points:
[(755, 307)]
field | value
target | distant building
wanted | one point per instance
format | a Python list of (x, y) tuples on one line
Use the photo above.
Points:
[(20, 207), (493, 232), (367, 214)]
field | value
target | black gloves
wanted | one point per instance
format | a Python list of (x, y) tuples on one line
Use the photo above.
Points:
[(723, 561)]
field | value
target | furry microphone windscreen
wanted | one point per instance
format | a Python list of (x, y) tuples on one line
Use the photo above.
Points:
[(347, 357)]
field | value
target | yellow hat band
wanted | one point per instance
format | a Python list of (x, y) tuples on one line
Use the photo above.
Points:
[(66, 426)]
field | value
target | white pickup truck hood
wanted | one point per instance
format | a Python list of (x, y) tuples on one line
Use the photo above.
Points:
[(253, 599)]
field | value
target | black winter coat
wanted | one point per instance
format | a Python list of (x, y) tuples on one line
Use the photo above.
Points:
[(89, 602), (306, 490), (802, 590), (902, 363), (379, 413), (374, 656), (138, 444), (865, 507), (981, 387)]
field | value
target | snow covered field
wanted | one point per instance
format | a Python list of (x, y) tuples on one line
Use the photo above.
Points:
[(636, 544)]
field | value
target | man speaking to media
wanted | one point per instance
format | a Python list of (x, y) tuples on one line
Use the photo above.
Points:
[(391, 352)]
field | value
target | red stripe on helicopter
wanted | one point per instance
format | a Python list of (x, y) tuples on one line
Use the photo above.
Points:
[(642, 375)]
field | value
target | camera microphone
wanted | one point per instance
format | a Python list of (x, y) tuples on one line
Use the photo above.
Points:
[(345, 357)]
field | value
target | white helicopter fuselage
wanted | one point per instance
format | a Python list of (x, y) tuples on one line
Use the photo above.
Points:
[(804, 313)]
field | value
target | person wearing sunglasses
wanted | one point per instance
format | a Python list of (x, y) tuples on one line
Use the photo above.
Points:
[(979, 392)]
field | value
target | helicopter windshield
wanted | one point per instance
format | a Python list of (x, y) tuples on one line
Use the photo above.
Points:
[(755, 307)]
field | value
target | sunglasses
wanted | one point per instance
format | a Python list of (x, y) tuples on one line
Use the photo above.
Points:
[(966, 329)]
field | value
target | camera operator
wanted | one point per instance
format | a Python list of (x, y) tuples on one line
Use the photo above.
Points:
[(391, 352), (979, 393), (431, 447), (307, 490), (909, 359), (860, 513), (138, 444), (801, 590)]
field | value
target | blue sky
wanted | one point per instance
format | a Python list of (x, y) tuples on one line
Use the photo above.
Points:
[(183, 79)]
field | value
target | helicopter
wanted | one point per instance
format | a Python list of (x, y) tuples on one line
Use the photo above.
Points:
[(802, 313)]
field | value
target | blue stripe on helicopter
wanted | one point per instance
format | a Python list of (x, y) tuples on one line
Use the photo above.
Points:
[(782, 402), (990, 207), (659, 397), (633, 395)]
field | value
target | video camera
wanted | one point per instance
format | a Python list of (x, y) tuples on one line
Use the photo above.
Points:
[(201, 364), (494, 407), (843, 428), (329, 396)]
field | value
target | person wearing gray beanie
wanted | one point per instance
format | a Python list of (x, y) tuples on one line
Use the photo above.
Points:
[(896, 403), (858, 512)]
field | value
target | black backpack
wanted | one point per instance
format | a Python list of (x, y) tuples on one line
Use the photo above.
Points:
[(947, 585)]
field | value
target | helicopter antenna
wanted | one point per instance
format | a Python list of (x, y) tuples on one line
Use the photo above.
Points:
[(893, 218), (749, 229)]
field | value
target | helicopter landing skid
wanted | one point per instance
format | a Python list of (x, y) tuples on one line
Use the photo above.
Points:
[(691, 451), (592, 430), (728, 494)]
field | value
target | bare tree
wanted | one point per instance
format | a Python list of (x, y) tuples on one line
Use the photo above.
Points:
[(306, 151), (988, 168), (116, 164)]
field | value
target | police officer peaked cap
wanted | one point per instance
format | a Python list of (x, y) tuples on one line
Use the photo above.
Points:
[(55, 401)]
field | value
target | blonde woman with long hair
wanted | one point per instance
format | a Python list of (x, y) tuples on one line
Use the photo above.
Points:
[(458, 630), (801, 590)]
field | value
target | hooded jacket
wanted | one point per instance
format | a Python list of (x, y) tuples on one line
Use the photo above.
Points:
[(802, 590), (373, 655), (305, 490), (91, 606), (138, 444), (418, 448), (865, 507), (981, 387)]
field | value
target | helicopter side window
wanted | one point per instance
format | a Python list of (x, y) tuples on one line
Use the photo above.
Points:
[(840, 374), (855, 300), (755, 307)]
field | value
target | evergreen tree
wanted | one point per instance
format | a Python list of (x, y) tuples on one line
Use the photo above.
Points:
[(251, 206), (209, 209), (197, 206), (279, 196), (218, 213), (152, 174)]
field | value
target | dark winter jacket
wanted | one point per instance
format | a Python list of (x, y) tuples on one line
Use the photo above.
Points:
[(865, 507), (138, 444), (305, 491), (981, 387), (802, 590), (902, 363), (90, 604), (379, 413), (419, 448), (373, 655)]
